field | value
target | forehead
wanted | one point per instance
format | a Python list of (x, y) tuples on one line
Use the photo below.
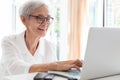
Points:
[(42, 10)]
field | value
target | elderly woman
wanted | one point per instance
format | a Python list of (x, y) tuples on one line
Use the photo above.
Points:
[(28, 52)]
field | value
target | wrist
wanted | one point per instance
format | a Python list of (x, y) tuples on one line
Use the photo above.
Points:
[(53, 66)]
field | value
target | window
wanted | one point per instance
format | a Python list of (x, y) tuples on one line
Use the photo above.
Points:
[(112, 13), (104, 13), (95, 11)]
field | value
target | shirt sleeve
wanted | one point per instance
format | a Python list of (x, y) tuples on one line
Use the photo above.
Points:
[(11, 60)]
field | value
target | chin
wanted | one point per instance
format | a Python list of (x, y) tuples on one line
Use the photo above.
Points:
[(42, 35)]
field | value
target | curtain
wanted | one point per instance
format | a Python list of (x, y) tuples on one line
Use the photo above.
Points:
[(77, 11)]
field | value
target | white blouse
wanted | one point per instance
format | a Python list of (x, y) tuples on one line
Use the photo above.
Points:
[(16, 58)]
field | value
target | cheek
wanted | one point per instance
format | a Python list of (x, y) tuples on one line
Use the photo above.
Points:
[(48, 26), (32, 26)]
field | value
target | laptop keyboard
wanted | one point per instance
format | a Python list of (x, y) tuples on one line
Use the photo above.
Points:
[(74, 72)]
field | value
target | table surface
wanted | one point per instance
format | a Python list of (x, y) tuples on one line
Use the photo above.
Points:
[(30, 76)]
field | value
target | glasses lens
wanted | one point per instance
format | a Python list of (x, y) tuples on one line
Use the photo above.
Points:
[(45, 19), (49, 19), (40, 19)]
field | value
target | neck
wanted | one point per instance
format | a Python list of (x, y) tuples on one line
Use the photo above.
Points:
[(32, 42)]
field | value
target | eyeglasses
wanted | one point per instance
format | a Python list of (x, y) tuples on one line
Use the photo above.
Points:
[(40, 19)]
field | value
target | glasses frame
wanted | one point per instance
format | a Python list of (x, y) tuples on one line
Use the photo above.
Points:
[(41, 19)]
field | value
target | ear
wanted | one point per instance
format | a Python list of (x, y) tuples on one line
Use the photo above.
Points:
[(23, 19)]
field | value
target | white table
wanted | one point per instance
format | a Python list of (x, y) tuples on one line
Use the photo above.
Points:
[(31, 75)]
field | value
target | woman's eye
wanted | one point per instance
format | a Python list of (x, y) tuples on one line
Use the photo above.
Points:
[(40, 18)]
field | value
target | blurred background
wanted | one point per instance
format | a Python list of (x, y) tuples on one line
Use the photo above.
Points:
[(72, 20)]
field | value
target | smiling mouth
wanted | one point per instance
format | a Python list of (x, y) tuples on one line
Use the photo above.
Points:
[(41, 29)]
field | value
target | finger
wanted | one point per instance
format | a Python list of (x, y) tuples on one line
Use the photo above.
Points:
[(75, 66), (78, 63)]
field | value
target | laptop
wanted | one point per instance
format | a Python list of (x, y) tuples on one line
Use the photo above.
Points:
[(102, 57)]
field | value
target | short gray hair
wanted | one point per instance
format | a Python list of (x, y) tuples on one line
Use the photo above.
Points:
[(27, 8)]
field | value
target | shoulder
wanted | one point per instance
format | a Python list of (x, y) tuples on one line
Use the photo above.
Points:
[(7, 38), (11, 38)]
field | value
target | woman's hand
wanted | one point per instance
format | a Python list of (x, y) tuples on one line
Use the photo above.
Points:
[(77, 62), (67, 65)]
